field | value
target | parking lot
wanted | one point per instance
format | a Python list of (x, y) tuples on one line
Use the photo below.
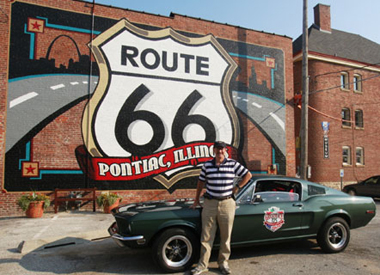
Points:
[(77, 242)]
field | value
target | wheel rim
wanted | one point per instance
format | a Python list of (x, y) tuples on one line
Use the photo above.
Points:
[(177, 251), (337, 235)]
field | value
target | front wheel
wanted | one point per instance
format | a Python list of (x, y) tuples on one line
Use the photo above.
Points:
[(334, 235), (176, 249)]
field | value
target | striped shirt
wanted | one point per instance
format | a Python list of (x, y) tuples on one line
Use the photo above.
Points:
[(219, 179)]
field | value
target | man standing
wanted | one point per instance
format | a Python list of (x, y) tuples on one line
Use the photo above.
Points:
[(219, 206)]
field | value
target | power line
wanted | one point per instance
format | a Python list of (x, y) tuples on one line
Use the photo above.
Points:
[(335, 87), (342, 71)]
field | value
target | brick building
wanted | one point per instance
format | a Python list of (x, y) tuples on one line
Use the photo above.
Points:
[(344, 93), (97, 96)]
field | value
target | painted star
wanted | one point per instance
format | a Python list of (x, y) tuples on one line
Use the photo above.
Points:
[(36, 26), (30, 169)]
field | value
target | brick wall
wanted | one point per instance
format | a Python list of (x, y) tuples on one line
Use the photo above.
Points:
[(8, 200), (329, 102)]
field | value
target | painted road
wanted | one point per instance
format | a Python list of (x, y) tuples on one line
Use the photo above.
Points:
[(31, 100), (268, 115)]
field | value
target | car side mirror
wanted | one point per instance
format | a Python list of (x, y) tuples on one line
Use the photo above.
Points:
[(257, 198)]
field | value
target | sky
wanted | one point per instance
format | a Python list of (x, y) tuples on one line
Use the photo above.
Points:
[(282, 17)]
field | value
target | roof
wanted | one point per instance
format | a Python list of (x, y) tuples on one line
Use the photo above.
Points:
[(340, 44)]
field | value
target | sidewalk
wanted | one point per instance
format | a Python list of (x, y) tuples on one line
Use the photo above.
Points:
[(63, 228)]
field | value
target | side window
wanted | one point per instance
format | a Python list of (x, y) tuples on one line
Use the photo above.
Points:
[(277, 190), (247, 196), (346, 117), (315, 190), (359, 119), (344, 84), (346, 152), (359, 156), (357, 83), (371, 181), (275, 197)]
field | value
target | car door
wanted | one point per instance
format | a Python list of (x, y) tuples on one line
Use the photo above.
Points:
[(275, 215)]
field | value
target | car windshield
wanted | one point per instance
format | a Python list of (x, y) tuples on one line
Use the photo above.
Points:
[(270, 190)]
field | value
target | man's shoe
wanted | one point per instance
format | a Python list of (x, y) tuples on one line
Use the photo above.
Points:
[(198, 270), (225, 269)]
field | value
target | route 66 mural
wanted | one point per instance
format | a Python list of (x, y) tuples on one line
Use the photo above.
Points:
[(147, 113), (163, 100)]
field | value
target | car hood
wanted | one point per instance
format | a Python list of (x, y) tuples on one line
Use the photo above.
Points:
[(155, 206)]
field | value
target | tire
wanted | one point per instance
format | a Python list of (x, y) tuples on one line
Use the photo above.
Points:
[(334, 235), (176, 249), (351, 192)]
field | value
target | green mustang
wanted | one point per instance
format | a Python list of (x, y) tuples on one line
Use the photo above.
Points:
[(268, 209)]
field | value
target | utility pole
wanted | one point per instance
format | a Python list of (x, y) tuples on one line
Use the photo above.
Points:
[(305, 96)]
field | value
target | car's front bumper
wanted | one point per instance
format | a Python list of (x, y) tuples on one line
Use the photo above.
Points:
[(123, 240), (126, 239)]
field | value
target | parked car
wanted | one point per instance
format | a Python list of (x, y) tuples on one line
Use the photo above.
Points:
[(369, 187), (268, 209)]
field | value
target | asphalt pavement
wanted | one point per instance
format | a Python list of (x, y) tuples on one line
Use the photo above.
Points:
[(77, 242), (52, 230)]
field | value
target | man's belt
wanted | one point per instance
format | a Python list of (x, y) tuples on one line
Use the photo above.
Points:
[(208, 196)]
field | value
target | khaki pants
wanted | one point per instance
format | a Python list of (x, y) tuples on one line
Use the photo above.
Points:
[(216, 213)]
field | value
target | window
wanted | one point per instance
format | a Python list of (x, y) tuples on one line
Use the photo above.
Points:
[(359, 119), (346, 117), (359, 156), (344, 81), (357, 83), (372, 181), (315, 190), (271, 190), (346, 155), (275, 197)]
